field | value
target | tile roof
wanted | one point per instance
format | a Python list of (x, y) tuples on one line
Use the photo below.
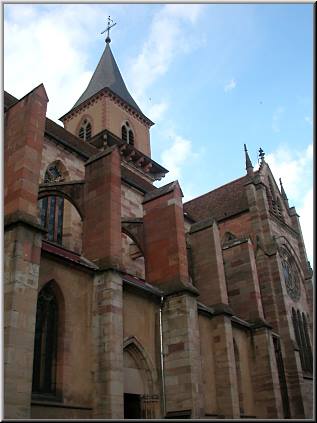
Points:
[(221, 203)]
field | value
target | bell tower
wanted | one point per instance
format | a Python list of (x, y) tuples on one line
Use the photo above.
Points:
[(107, 104)]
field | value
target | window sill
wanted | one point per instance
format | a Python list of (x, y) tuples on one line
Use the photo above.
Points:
[(49, 398), (309, 376), (50, 402)]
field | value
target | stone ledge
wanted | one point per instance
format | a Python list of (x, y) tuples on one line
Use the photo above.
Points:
[(22, 218), (203, 224), (222, 309), (159, 192), (260, 324), (48, 403), (98, 156)]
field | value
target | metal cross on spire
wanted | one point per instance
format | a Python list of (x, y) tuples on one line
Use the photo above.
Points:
[(110, 25), (261, 155)]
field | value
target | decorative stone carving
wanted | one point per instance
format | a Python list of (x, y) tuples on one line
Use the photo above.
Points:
[(291, 276)]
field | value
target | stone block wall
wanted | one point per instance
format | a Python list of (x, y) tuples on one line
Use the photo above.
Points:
[(73, 163), (242, 280), (24, 131), (207, 263)]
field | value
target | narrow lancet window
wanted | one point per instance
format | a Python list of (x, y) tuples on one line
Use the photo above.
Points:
[(45, 342)]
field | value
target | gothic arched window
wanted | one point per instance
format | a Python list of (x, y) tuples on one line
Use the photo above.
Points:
[(127, 134), (302, 340), (52, 207), (51, 217), (45, 342), (291, 275), (85, 130)]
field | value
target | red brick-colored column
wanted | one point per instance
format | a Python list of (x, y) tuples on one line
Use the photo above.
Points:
[(242, 280), (24, 133), (208, 269), (164, 235), (166, 267), (225, 370), (267, 393), (102, 245), (102, 208)]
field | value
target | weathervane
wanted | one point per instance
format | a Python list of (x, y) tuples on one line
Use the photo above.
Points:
[(110, 25)]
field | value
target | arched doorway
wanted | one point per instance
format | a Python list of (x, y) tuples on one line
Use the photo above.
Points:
[(140, 396)]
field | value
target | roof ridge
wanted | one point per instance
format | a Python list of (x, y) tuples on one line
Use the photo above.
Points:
[(213, 190)]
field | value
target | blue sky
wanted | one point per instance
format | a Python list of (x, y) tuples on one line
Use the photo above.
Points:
[(212, 77)]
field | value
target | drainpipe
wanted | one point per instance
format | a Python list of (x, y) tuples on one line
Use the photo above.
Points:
[(162, 358)]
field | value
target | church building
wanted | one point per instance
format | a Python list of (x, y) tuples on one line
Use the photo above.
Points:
[(120, 300)]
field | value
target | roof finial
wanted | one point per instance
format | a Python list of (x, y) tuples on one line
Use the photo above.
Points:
[(261, 155), (110, 25), (248, 163), (283, 193)]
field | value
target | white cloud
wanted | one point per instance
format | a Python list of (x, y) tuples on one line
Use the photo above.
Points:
[(166, 39), (175, 156), (295, 169), (276, 118), (48, 45), (157, 110), (230, 85)]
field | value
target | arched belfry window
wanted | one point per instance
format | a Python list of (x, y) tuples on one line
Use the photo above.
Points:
[(85, 130), (127, 134), (45, 342)]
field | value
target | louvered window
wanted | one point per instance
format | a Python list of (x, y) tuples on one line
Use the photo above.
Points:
[(85, 130), (131, 137), (127, 134), (124, 133)]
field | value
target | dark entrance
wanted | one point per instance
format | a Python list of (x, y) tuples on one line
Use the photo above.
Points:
[(132, 406)]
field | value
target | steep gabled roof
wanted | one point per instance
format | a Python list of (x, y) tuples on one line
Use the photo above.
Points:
[(107, 75), (221, 203)]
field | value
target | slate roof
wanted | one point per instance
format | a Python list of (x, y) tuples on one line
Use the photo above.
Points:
[(221, 203), (107, 75), (57, 132)]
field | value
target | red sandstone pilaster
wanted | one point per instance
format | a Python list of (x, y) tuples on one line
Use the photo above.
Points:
[(164, 235), (102, 209), (242, 280), (24, 134), (208, 269)]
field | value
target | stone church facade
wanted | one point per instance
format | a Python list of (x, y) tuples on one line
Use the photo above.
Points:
[(120, 301)]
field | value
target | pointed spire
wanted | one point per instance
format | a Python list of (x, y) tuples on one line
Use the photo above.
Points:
[(248, 163), (284, 196), (107, 75), (283, 193)]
